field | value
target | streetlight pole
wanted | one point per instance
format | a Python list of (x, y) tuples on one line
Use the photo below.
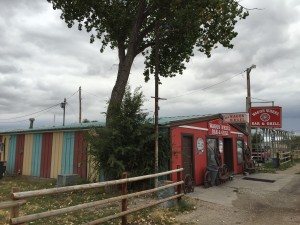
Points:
[(248, 104)]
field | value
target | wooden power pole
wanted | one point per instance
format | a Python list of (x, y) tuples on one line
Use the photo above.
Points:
[(63, 106), (248, 104), (80, 104)]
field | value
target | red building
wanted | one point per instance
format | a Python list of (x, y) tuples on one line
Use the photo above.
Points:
[(194, 138)]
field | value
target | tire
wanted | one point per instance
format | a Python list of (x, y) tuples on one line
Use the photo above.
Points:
[(207, 179), (188, 184)]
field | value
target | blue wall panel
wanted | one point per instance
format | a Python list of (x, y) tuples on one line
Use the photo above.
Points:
[(36, 155), (68, 153), (11, 154)]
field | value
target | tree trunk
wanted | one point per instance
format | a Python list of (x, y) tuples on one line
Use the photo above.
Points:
[(120, 85), (125, 63)]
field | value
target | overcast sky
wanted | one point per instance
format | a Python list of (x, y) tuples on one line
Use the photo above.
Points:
[(42, 62)]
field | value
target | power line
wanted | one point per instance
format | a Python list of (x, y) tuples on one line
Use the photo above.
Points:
[(205, 88), (27, 119), (43, 110), (261, 99), (91, 93), (18, 117), (72, 94), (98, 97)]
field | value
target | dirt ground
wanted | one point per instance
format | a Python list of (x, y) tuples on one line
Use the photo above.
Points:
[(252, 207)]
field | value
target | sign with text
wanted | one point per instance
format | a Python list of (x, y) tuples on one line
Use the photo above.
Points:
[(218, 127), (270, 117), (236, 118)]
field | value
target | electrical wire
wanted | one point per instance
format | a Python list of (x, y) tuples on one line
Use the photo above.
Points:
[(205, 88), (261, 99), (18, 117), (27, 119), (43, 110), (72, 94), (98, 97)]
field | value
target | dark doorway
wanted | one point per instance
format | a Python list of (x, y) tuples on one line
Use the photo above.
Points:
[(228, 153), (187, 156)]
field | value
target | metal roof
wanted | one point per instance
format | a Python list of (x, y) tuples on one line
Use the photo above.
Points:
[(184, 119), (163, 121), (75, 126)]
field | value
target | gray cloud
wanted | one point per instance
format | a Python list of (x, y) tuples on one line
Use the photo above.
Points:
[(42, 62)]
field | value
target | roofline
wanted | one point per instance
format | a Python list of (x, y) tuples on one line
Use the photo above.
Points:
[(49, 130), (193, 120), (201, 119)]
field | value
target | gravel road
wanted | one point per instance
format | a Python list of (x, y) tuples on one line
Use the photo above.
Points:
[(251, 205)]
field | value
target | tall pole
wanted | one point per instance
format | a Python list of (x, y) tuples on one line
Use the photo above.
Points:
[(63, 106), (248, 104), (156, 100), (80, 104)]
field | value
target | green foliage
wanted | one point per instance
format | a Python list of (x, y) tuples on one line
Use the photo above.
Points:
[(183, 25), (185, 205), (257, 138), (295, 142), (128, 143)]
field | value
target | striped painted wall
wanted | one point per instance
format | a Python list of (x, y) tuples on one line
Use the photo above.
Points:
[(5, 140), (47, 154), (80, 155), (68, 153), (19, 154), (27, 164), (56, 155), (0, 149), (1, 153), (36, 155), (10, 165)]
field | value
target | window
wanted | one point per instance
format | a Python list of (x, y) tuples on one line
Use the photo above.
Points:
[(239, 149), (212, 150)]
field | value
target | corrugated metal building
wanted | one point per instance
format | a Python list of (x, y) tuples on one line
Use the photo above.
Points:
[(192, 139), (54, 151), (47, 152)]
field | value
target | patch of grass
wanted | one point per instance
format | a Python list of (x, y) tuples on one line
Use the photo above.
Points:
[(153, 215), (268, 166), (185, 205), (57, 201), (286, 166)]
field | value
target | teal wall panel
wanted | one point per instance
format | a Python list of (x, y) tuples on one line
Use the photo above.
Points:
[(11, 154), (36, 155), (68, 153)]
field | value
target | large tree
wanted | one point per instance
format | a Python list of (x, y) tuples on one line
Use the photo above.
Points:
[(128, 143), (129, 26)]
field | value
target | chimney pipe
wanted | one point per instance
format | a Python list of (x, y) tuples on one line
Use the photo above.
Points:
[(31, 122)]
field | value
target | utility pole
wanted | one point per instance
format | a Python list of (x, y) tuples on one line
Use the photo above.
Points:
[(80, 104), (156, 100), (63, 106), (248, 104)]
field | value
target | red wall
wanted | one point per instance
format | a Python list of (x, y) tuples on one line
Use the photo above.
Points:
[(200, 159), (19, 153), (0, 151), (80, 153), (46, 155)]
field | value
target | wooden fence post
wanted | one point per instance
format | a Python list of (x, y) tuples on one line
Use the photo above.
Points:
[(124, 201), (179, 178), (14, 213)]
